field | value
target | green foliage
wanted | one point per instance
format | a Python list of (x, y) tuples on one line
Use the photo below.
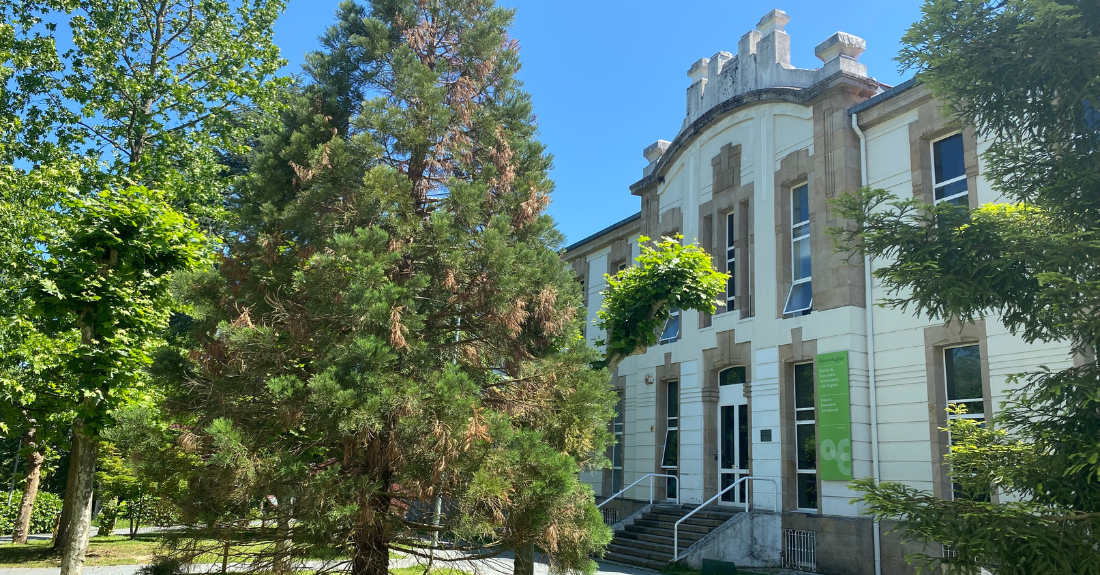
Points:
[(128, 473), (639, 299), (1025, 73), (47, 507), (156, 93), (103, 277), (391, 322)]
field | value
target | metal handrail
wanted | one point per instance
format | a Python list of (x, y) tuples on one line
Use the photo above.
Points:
[(748, 507), (650, 476)]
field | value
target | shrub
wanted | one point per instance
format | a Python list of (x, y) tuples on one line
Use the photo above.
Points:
[(47, 508)]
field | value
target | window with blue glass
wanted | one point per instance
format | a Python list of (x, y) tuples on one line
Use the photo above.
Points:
[(671, 330), (949, 171), (800, 297)]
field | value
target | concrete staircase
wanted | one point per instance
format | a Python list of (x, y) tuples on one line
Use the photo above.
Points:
[(648, 542)]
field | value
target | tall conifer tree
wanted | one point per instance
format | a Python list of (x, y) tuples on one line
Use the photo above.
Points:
[(1025, 73), (392, 327)]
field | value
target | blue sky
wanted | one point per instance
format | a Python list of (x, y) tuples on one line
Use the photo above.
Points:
[(608, 77)]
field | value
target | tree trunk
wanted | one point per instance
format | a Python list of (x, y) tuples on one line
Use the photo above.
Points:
[(372, 537), (61, 534), (282, 564), (30, 488), (135, 516), (524, 563), (372, 552), (85, 447)]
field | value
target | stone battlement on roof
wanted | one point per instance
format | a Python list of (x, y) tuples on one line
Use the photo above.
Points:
[(763, 60)]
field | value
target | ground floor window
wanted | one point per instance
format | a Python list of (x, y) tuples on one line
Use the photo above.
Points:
[(805, 433), (962, 368)]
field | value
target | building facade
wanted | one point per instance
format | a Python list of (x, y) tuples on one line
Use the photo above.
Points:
[(796, 379)]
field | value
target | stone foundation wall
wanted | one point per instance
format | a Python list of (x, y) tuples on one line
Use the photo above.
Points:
[(845, 546)]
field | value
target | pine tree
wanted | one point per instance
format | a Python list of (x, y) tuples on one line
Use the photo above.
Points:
[(391, 325)]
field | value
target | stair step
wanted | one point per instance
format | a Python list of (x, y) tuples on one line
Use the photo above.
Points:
[(693, 520), (659, 539), (712, 512), (665, 555), (666, 532), (684, 527), (636, 561), (657, 535), (650, 546)]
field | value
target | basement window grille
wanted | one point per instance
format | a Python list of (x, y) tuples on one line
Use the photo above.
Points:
[(610, 516), (800, 550)]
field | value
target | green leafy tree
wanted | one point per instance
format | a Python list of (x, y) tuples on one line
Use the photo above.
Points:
[(105, 277), (158, 93), (640, 298), (153, 91), (391, 325), (1026, 73)]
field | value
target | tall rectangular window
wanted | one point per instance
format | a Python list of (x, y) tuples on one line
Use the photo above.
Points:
[(805, 433), (617, 447), (949, 171), (800, 298), (962, 368), (670, 456), (731, 263)]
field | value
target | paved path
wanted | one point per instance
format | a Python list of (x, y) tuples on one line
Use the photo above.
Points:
[(501, 565), (95, 530)]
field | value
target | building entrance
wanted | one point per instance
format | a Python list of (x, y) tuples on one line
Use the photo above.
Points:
[(733, 435)]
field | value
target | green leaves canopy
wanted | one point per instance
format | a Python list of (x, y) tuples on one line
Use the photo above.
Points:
[(639, 299), (102, 277)]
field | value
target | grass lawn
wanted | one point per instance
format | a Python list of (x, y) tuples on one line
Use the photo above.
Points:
[(121, 550), (112, 550)]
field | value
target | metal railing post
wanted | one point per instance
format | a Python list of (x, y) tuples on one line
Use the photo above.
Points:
[(748, 507), (650, 477)]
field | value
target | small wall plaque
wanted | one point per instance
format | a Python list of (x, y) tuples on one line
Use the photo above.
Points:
[(765, 435), (649, 379)]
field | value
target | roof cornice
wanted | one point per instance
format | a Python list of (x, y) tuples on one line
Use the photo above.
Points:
[(748, 99)]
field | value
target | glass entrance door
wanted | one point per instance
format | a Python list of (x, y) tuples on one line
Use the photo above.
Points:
[(733, 435)]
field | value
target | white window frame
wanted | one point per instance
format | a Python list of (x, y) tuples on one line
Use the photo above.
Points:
[(800, 422), (617, 428), (731, 262), (937, 185), (672, 423), (678, 316), (794, 254)]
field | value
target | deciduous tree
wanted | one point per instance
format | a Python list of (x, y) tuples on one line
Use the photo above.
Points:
[(639, 299), (152, 92)]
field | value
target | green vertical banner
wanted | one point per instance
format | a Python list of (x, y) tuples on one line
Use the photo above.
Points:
[(834, 417)]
